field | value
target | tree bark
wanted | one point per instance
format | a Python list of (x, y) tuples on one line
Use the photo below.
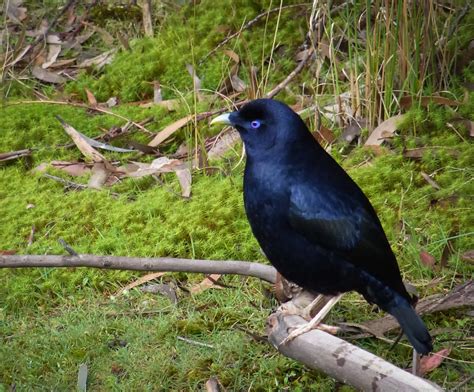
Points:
[(342, 360), (165, 264)]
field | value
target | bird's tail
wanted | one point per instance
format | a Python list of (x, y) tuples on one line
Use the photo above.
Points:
[(412, 325), (399, 307)]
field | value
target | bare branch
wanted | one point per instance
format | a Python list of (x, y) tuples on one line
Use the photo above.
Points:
[(280, 86), (168, 264), (341, 360)]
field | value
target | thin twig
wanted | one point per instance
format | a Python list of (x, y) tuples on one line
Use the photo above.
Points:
[(196, 343), (31, 237), (67, 247), (462, 383), (168, 264), (67, 183), (280, 86)]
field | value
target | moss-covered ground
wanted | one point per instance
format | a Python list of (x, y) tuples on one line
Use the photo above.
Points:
[(52, 320)]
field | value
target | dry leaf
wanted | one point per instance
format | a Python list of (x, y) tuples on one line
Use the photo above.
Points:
[(104, 34), (185, 180), (324, 135), (170, 129), (206, 284), (159, 165), (237, 84), (432, 361), (140, 281), (407, 102), (7, 252), (91, 98), (8, 156), (324, 49), (98, 61), (19, 56), (444, 202), (427, 259), (196, 81), (47, 76), (414, 153), (387, 128), (142, 147), (213, 385), (468, 256), (468, 124), (163, 289), (53, 39), (86, 149), (103, 146), (430, 181), (53, 53), (223, 144), (301, 55), (157, 97), (162, 165), (99, 176), (62, 63), (72, 168), (234, 56), (14, 12), (448, 250), (111, 102)]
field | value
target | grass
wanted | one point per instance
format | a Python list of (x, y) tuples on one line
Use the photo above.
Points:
[(59, 318), (52, 320)]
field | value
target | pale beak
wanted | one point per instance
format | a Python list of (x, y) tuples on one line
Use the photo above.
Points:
[(222, 119)]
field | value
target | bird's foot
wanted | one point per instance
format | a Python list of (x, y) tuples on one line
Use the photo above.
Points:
[(302, 305), (315, 322)]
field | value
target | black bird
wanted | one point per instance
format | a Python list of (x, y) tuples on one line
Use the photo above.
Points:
[(313, 222)]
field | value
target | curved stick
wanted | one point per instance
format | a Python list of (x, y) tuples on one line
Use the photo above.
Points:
[(165, 264), (340, 359)]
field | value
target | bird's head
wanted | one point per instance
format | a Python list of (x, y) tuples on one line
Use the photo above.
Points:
[(266, 125)]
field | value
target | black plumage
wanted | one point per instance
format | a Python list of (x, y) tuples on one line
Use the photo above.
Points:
[(311, 219)]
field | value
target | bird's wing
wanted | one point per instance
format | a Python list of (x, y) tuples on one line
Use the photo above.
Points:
[(343, 224)]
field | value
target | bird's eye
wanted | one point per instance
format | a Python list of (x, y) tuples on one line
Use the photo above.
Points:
[(255, 124)]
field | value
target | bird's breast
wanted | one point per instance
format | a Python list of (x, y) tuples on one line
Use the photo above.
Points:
[(266, 199)]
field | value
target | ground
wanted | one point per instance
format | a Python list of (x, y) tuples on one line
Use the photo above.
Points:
[(52, 320)]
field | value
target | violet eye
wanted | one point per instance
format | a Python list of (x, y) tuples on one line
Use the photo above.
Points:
[(255, 124)]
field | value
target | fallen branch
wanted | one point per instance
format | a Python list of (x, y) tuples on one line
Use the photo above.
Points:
[(167, 264), (316, 349), (340, 359)]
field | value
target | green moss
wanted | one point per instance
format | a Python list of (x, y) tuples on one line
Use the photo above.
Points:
[(149, 220), (185, 38), (60, 318)]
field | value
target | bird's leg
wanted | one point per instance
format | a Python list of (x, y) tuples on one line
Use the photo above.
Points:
[(315, 322), (415, 365), (308, 310)]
